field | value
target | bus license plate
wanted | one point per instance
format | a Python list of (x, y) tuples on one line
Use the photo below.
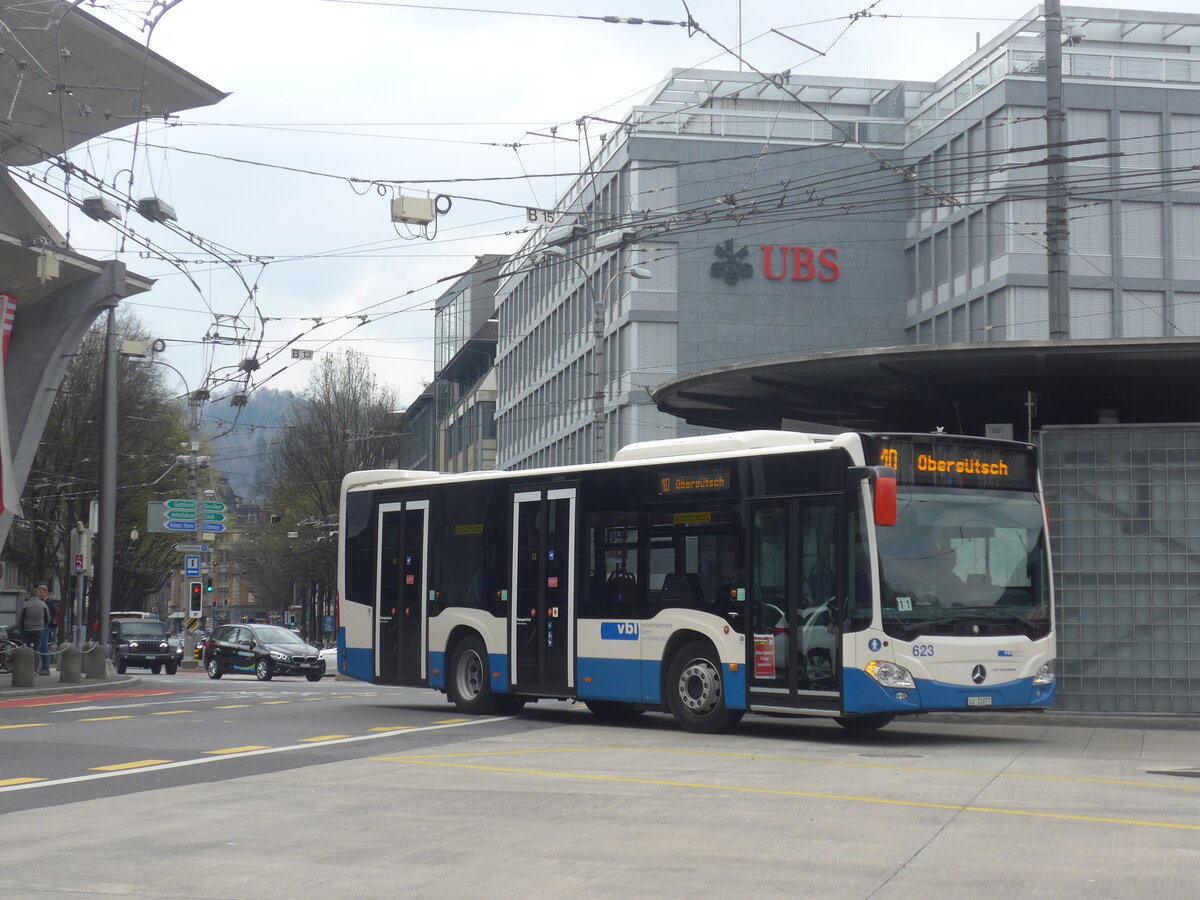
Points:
[(979, 701)]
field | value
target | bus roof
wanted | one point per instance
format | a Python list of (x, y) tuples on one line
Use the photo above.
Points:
[(714, 446)]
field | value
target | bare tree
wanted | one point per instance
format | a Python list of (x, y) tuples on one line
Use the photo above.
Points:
[(342, 422), (64, 478)]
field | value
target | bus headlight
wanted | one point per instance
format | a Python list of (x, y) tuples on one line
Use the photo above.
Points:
[(890, 675), (1044, 675)]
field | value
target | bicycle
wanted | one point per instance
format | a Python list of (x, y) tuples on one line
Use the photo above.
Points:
[(7, 646)]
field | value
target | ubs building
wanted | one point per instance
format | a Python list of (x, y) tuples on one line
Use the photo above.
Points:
[(802, 252)]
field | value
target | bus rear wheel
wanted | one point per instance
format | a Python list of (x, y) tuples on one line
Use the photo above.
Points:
[(469, 687), (696, 691)]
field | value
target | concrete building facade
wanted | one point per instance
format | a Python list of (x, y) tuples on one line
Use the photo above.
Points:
[(870, 253)]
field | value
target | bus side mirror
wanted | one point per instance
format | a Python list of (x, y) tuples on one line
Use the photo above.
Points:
[(883, 489)]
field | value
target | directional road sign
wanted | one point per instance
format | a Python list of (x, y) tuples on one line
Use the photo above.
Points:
[(193, 548), (180, 514), (180, 504), (213, 506), (214, 517), (213, 526), (185, 526)]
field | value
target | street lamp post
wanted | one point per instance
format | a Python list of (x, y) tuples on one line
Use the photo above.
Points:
[(599, 362)]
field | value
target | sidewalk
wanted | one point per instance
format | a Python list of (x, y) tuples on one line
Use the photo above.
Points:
[(49, 685)]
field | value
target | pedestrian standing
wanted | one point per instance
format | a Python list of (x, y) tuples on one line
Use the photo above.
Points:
[(51, 628), (34, 620)]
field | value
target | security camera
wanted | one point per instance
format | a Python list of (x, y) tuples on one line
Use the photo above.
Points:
[(1075, 35)]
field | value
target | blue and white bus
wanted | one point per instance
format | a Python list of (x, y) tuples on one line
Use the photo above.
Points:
[(854, 576)]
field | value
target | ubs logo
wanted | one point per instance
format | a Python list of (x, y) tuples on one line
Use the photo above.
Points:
[(731, 265), (979, 674)]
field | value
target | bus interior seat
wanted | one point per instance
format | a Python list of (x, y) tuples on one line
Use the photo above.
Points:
[(682, 588)]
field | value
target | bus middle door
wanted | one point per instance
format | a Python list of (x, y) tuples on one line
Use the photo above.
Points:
[(542, 610)]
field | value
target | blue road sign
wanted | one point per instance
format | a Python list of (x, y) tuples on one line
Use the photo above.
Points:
[(213, 526), (181, 526), (191, 565)]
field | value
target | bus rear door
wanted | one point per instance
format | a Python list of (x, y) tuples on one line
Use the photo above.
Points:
[(400, 611)]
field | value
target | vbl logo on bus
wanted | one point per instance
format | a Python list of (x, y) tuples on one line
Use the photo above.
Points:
[(619, 631)]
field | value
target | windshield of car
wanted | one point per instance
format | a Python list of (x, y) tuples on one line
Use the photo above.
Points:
[(142, 631), (965, 563), (272, 634)]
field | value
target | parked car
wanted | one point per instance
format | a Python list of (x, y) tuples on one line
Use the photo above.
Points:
[(142, 643), (329, 654), (265, 650)]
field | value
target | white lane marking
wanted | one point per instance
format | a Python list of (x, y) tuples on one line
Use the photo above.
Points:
[(184, 763)]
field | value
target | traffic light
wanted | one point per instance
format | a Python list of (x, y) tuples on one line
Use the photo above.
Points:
[(196, 602), (208, 584)]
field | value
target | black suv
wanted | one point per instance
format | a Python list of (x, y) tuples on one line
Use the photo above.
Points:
[(265, 650), (142, 643)]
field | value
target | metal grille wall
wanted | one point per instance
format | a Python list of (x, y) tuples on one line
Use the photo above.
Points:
[(1125, 532)]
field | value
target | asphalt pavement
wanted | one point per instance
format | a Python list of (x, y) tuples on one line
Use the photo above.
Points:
[(46, 685)]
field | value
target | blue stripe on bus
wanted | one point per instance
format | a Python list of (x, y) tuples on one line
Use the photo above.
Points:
[(640, 681), (360, 663), (499, 672), (437, 670), (865, 695)]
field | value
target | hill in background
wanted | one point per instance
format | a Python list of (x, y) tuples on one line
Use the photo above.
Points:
[(241, 454)]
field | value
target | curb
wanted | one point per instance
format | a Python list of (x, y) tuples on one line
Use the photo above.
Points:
[(91, 684), (1062, 719)]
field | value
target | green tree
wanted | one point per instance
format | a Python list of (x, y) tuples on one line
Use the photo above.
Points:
[(64, 478)]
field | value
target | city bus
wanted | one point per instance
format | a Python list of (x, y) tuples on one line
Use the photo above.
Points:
[(856, 576)]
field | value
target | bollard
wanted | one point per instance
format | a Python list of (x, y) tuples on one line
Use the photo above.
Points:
[(70, 665), (92, 660), (22, 667)]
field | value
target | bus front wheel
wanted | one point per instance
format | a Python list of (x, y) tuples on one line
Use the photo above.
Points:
[(696, 691)]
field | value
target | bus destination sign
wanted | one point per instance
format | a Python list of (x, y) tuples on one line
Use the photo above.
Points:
[(708, 481), (958, 463)]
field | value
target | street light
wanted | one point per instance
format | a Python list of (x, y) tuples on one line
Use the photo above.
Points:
[(599, 305)]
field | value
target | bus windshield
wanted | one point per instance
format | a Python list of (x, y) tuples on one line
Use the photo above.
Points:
[(961, 563)]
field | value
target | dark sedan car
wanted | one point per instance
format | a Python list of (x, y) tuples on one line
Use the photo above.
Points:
[(265, 650)]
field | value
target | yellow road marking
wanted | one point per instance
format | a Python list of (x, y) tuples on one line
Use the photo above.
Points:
[(391, 728), (809, 795), (171, 712), (8, 782), (1069, 779), (235, 750), (106, 719), (452, 721), (235, 706), (141, 763), (275, 702), (28, 725), (323, 737), (312, 700)]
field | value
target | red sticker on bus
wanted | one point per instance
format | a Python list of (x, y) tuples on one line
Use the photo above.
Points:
[(552, 581), (764, 656)]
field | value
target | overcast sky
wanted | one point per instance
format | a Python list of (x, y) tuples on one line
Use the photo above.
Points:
[(394, 91)]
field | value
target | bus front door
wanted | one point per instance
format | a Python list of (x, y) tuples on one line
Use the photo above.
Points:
[(794, 654), (400, 590), (542, 636)]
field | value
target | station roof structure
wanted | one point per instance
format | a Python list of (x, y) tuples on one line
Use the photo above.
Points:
[(958, 387)]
